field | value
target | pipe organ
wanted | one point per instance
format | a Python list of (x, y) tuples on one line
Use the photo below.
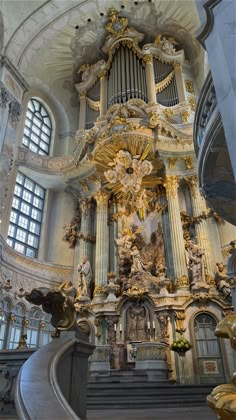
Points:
[(148, 74), (126, 77)]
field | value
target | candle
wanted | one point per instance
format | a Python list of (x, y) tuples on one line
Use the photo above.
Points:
[(115, 327), (120, 328), (153, 325), (148, 325)]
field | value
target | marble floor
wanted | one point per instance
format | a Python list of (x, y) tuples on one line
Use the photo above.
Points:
[(177, 413)]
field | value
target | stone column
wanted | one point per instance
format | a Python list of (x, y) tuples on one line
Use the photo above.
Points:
[(85, 230), (82, 111), (101, 262), (103, 93), (179, 82), (113, 235), (148, 60), (176, 232), (202, 229)]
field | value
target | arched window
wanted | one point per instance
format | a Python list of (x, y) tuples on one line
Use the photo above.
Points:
[(16, 328), (5, 308), (46, 331), (38, 128), (26, 216), (208, 351), (32, 331)]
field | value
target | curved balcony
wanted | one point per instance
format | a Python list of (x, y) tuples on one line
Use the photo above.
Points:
[(216, 178)]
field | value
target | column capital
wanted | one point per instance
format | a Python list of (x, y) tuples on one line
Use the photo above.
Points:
[(103, 74), (85, 205), (101, 198), (171, 185), (148, 59), (192, 182)]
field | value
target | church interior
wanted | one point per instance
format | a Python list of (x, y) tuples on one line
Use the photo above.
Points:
[(117, 207)]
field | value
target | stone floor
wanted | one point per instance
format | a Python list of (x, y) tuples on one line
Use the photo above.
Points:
[(179, 413)]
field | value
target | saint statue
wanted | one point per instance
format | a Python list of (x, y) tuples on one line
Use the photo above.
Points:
[(137, 264), (196, 263), (85, 277), (136, 323), (221, 280)]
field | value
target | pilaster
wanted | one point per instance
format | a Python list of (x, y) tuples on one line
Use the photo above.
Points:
[(176, 233), (102, 248), (179, 82), (82, 111), (103, 94), (148, 60)]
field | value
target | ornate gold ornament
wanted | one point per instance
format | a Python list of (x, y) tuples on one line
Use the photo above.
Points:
[(189, 86), (101, 198), (171, 185), (188, 160), (183, 281), (136, 293), (172, 162), (185, 116), (223, 398), (117, 26), (153, 119), (133, 171), (166, 43), (148, 59), (95, 105), (159, 87), (99, 290), (179, 321), (193, 103)]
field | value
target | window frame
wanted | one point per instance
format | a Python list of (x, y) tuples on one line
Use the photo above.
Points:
[(25, 238)]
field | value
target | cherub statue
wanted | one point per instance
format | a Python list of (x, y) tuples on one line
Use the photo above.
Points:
[(68, 289)]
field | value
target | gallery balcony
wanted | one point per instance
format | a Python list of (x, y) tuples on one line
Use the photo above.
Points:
[(216, 177)]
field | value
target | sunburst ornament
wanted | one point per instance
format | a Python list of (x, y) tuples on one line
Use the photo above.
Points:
[(128, 170)]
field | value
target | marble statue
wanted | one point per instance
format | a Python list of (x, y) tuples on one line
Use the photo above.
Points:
[(137, 264), (196, 263), (136, 323), (85, 277), (221, 280)]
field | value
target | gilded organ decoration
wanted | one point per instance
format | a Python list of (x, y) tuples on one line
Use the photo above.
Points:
[(166, 43)]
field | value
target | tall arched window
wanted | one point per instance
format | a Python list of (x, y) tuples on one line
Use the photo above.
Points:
[(5, 308), (26, 216), (38, 128), (207, 348), (16, 328)]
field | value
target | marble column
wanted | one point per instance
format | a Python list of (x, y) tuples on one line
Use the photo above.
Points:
[(102, 246), (176, 232), (148, 60), (103, 94), (85, 244), (113, 235), (202, 229), (82, 111), (179, 82)]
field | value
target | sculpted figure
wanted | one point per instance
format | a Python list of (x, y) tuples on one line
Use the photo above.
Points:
[(85, 277), (196, 263), (68, 289), (137, 323), (137, 265), (221, 280)]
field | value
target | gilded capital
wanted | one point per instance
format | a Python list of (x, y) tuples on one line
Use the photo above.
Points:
[(85, 205), (148, 59), (193, 184), (171, 185), (103, 74), (101, 198), (188, 160)]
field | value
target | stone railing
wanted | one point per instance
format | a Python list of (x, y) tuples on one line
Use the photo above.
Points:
[(207, 104), (53, 381)]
